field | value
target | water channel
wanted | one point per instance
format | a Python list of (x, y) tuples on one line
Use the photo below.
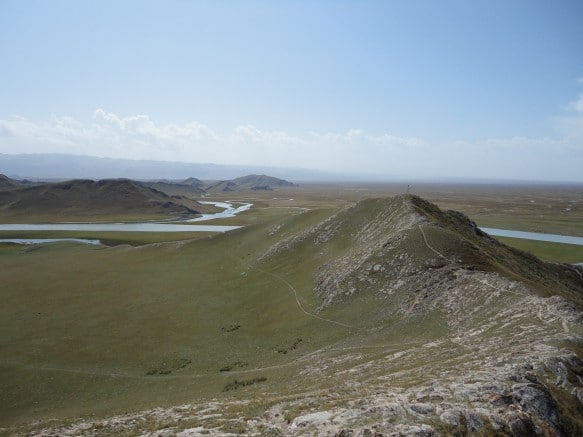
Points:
[(537, 236), (228, 211)]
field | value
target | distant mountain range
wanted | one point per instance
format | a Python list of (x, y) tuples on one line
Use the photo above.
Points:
[(193, 185), (80, 198), (77, 199), (61, 167)]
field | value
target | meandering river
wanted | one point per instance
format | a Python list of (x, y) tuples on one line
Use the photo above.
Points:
[(47, 240), (121, 227), (538, 236), (228, 211)]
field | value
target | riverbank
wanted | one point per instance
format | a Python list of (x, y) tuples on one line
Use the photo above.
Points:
[(536, 236), (121, 233)]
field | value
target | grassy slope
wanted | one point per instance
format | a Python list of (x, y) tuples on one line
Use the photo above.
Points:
[(534, 209), (550, 209), (110, 238), (86, 200), (551, 252), (81, 335)]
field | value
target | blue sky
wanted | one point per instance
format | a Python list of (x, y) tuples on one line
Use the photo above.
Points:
[(489, 89)]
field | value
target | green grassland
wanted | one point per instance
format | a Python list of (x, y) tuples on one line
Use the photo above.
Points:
[(86, 328), (89, 330), (92, 330), (554, 209), (551, 252), (110, 238), (86, 218)]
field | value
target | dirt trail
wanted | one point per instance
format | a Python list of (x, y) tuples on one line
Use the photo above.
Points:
[(429, 246), (298, 300)]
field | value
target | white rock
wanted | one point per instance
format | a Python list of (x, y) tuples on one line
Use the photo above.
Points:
[(312, 419)]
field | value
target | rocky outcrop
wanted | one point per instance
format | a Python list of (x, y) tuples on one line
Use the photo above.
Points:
[(406, 243), (494, 406)]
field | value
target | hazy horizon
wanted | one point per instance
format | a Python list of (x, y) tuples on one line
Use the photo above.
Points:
[(47, 167), (406, 90)]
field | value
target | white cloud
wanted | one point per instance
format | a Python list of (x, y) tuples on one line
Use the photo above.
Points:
[(359, 136), (578, 104), (140, 137), (571, 124), (354, 150), (250, 133)]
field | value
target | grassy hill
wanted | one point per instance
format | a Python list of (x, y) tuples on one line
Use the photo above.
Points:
[(177, 189), (388, 315), (93, 200), (195, 187), (221, 187), (261, 182), (193, 182), (251, 182)]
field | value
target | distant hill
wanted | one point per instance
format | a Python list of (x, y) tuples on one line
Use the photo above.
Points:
[(176, 188), (251, 182), (193, 182), (90, 199), (221, 186), (194, 186), (7, 183), (261, 182)]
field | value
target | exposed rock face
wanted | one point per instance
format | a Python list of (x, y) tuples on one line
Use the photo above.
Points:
[(536, 400), (487, 406)]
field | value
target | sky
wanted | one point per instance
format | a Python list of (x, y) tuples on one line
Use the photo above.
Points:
[(395, 89)]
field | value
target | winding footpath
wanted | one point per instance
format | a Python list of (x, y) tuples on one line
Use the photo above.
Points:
[(429, 246), (300, 306)]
